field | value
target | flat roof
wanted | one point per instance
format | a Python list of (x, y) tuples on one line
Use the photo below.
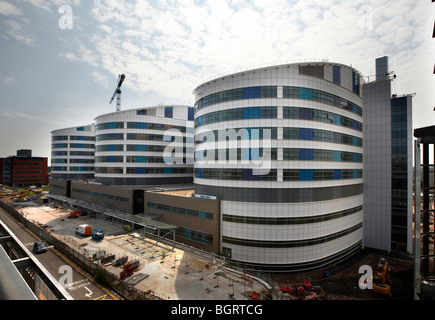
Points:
[(135, 218), (426, 134)]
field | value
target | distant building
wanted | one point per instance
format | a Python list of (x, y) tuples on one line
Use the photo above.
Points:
[(73, 153), (24, 170)]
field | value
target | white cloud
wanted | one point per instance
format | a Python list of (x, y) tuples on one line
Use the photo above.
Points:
[(8, 9), (6, 80), (176, 44), (18, 30)]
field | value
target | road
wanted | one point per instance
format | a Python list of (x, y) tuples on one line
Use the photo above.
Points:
[(78, 284)]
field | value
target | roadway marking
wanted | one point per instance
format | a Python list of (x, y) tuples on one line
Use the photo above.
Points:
[(82, 283)]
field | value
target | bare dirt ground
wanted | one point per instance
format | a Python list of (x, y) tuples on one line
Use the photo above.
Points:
[(342, 283)]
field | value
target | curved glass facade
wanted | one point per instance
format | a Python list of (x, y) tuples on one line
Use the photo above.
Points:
[(73, 153), (130, 146), (283, 156)]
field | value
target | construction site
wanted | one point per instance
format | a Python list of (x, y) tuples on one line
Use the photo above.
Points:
[(163, 269), (157, 267)]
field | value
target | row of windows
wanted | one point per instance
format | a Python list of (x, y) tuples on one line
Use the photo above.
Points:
[(73, 153), (137, 170), (321, 135), (73, 145), (130, 159), (137, 136), (234, 133), (193, 235), (288, 174), (75, 169), (271, 113), (77, 138), (290, 243), (72, 161), (130, 147), (321, 155), (237, 94), (238, 154), (321, 116), (320, 174), (138, 125), (290, 220), (288, 134), (272, 154), (183, 211), (289, 92), (101, 195), (237, 114)]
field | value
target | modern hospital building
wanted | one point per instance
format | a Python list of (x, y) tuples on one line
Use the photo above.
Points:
[(296, 166)]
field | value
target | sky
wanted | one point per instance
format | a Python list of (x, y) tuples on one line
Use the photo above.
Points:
[(60, 59)]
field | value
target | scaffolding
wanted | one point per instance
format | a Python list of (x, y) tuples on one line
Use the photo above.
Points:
[(424, 253)]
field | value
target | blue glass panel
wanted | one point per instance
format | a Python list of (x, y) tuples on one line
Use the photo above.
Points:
[(199, 172), (337, 119), (337, 174), (306, 175), (251, 93), (140, 170), (167, 170), (169, 112), (306, 134), (190, 114), (110, 159), (336, 75), (337, 156), (187, 233), (81, 129), (306, 154), (251, 113), (202, 215), (354, 108), (355, 82), (306, 94), (355, 141), (355, 157), (141, 159), (247, 175), (355, 173), (305, 114), (141, 148)]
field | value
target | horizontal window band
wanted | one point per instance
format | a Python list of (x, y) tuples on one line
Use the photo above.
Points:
[(292, 243), (290, 220), (289, 92), (280, 195)]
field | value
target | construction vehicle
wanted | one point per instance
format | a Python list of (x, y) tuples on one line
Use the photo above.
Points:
[(98, 234), (84, 230), (128, 269), (381, 278), (117, 92), (74, 214)]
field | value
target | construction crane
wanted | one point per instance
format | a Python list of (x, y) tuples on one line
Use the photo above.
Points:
[(117, 92)]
